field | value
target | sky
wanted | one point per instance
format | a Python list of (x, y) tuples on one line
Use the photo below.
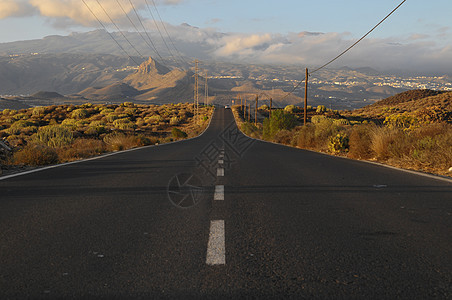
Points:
[(283, 31)]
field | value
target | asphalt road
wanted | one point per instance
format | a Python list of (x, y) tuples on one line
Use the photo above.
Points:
[(293, 224)]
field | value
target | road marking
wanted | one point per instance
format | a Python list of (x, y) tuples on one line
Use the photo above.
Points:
[(216, 250), (221, 161), (220, 172), (219, 192)]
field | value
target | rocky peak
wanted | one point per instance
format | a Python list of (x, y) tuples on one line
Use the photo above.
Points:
[(151, 66)]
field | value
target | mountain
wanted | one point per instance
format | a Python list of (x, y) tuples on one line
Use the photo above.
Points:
[(64, 73), (116, 91)]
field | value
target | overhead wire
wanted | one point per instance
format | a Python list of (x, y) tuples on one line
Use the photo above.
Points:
[(160, 32), (111, 35), (167, 33), (345, 51), (120, 31), (150, 44)]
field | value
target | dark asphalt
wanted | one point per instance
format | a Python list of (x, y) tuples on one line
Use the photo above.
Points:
[(297, 225)]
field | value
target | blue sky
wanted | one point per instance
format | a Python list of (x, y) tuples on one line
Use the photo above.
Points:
[(418, 35), (257, 16)]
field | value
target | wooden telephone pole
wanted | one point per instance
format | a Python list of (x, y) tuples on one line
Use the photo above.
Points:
[(306, 98), (244, 111), (196, 94), (270, 111), (255, 111)]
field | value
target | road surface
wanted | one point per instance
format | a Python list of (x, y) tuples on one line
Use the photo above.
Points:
[(222, 215)]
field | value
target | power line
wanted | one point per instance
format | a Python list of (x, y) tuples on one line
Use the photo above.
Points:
[(111, 35), (346, 50), (160, 32), (133, 24), (362, 38), (120, 31), (167, 33)]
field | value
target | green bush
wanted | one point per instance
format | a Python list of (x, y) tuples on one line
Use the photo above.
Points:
[(338, 143), (177, 133), (54, 136), (17, 126), (321, 109), (124, 124), (291, 109), (79, 113), (279, 120)]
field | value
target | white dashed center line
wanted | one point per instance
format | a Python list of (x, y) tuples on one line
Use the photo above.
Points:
[(220, 172), (221, 161), (216, 250), (219, 192)]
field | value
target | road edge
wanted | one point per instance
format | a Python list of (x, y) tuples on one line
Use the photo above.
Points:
[(420, 173), (39, 169)]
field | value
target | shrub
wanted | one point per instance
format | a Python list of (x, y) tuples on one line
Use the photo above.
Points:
[(283, 137), (124, 124), (338, 143), (82, 148), (403, 121), (382, 139), (360, 142), (321, 109), (38, 111), (155, 119), (119, 141), (279, 120), (341, 122), (178, 134), (250, 129), (290, 109), (79, 113), (35, 155), (54, 136), (17, 126), (264, 107), (305, 137), (174, 121)]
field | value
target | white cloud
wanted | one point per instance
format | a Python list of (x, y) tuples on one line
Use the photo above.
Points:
[(14, 8)]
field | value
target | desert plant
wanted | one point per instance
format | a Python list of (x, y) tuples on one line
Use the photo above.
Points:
[(124, 124), (338, 143), (178, 134), (79, 113), (321, 109), (35, 155), (54, 136), (119, 141), (361, 142), (279, 120)]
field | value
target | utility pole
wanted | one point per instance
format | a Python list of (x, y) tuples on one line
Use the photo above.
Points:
[(206, 101), (270, 111), (255, 111), (306, 98), (196, 96), (244, 111), (249, 113)]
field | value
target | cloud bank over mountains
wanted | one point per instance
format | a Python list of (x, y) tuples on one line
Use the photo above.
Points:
[(417, 52)]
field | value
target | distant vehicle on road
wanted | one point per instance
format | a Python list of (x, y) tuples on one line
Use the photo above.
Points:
[(227, 106)]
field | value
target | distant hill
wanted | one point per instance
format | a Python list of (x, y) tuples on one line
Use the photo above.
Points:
[(422, 104), (412, 95), (46, 95), (116, 91), (12, 104)]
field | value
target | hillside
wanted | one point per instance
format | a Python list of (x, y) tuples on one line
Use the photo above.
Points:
[(426, 105)]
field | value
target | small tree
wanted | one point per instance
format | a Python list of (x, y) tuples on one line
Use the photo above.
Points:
[(279, 120)]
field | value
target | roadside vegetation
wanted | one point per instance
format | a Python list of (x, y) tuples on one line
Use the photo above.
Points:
[(417, 137), (54, 134)]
